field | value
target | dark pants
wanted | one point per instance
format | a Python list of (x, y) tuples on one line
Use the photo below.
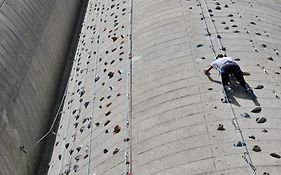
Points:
[(228, 69)]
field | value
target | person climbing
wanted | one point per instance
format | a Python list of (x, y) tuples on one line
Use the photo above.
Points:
[(226, 67)]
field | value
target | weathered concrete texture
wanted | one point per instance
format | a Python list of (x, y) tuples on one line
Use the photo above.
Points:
[(35, 37), (176, 112), (175, 116)]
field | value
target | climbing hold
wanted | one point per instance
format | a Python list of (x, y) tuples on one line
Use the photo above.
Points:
[(108, 113), (259, 87), (203, 58), (217, 3), (199, 45), (97, 78), (237, 59), (226, 28), (75, 168), (264, 130), (110, 74), (256, 110), (230, 15), (76, 124), (265, 173), (260, 120), (59, 157), (86, 104), (210, 10), (257, 33), (263, 45), (218, 8), (223, 22), (245, 115), (252, 137), (220, 127), (218, 36), (106, 122), (106, 131), (66, 145), (105, 151), (114, 38), (256, 148), (226, 6), (239, 144), (275, 155), (116, 150), (126, 139), (234, 25), (79, 148), (231, 20), (82, 129), (71, 151), (116, 129), (89, 125), (97, 124), (252, 22), (210, 89), (236, 31), (270, 58), (77, 158)]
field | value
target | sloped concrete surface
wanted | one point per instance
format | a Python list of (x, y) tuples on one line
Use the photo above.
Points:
[(164, 103), (34, 42)]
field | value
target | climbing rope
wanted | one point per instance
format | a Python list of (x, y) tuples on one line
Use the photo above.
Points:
[(235, 123), (98, 13), (128, 115)]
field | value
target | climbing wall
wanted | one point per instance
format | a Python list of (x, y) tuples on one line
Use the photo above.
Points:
[(90, 138), (156, 112), (180, 125)]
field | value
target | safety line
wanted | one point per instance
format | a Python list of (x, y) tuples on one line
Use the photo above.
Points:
[(207, 29), (94, 84), (128, 115), (246, 154)]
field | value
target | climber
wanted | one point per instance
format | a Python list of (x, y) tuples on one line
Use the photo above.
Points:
[(226, 67)]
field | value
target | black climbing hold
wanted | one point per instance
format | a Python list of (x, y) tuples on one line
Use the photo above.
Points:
[(259, 87), (220, 127), (237, 59), (231, 20), (257, 33), (210, 89), (97, 124), (97, 78), (263, 45), (264, 130), (234, 25), (71, 151), (75, 125), (226, 6), (59, 157), (230, 15), (210, 10), (218, 36), (218, 8), (226, 28), (105, 151), (223, 49), (106, 131), (256, 110), (86, 104), (199, 45), (265, 173), (203, 58), (275, 155), (252, 137), (108, 113), (66, 145), (110, 74), (252, 22), (79, 148), (270, 58), (256, 148), (239, 144), (126, 139), (106, 122), (114, 38), (236, 31), (260, 120), (223, 22), (116, 150)]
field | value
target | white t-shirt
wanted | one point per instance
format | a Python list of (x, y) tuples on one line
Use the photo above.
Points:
[(218, 63)]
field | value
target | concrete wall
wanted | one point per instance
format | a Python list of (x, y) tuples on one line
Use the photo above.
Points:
[(176, 109), (35, 37)]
